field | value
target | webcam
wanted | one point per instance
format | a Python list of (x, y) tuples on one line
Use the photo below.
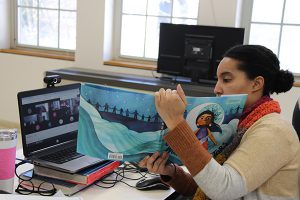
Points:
[(51, 80)]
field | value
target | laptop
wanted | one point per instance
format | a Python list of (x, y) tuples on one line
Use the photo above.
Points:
[(49, 124)]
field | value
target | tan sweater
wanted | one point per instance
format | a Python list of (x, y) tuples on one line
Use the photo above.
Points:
[(266, 161)]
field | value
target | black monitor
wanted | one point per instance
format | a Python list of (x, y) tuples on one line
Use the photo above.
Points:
[(194, 51)]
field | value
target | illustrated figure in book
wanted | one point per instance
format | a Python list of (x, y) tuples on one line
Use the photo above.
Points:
[(205, 123)]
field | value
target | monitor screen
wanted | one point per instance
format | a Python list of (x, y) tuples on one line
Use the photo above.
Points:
[(194, 51)]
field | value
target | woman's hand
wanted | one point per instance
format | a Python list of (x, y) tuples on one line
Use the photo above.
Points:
[(158, 164), (170, 104)]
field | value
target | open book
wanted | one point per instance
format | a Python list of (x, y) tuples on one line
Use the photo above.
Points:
[(119, 124)]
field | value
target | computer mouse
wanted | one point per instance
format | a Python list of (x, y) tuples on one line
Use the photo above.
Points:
[(152, 183)]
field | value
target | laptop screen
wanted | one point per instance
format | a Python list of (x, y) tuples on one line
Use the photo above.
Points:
[(48, 116)]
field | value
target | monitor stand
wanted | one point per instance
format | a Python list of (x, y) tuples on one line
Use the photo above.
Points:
[(176, 79), (206, 81), (181, 79), (187, 80)]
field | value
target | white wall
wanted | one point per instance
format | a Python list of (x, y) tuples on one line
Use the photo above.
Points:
[(19, 73), (4, 24), (90, 33), (109, 30), (218, 12), (287, 102), (94, 31)]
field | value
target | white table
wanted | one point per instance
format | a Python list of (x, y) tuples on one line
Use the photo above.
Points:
[(119, 191)]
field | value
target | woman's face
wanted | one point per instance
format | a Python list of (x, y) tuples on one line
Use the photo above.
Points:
[(231, 80), (204, 120)]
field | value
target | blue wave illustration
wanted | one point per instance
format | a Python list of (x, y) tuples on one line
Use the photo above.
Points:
[(102, 137)]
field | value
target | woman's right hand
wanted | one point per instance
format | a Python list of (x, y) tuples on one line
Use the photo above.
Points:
[(171, 104), (157, 164)]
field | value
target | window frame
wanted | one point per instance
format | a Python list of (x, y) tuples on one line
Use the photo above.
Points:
[(14, 30), (117, 36), (246, 16)]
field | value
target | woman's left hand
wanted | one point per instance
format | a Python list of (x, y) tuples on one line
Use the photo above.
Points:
[(157, 163), (170, 105)]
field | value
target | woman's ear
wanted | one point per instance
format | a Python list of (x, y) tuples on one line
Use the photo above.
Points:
[(258, 83)]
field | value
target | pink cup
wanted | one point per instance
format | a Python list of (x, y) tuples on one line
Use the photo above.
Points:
[(8, 143)]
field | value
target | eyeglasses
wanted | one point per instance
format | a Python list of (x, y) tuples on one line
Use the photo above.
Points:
[(44, 188), (26, 185)]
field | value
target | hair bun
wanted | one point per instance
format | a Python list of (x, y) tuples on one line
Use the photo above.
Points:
[(283, 82)]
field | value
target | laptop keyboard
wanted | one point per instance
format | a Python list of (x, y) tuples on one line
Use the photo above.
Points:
[(62, 156)]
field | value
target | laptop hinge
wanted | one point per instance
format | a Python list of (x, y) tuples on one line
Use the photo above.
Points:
[(52, 147)]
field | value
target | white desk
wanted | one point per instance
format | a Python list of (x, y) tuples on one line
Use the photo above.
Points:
[(119, 191)]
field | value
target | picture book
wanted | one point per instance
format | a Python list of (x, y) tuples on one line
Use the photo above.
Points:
[(120, 124)]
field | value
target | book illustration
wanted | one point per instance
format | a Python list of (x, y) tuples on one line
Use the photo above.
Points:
[(214, 119), (119, 124), (205, 122)]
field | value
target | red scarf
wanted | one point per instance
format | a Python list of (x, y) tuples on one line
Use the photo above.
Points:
[(250, 115)]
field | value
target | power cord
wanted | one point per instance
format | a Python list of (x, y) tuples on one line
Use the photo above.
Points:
[(121, 174)]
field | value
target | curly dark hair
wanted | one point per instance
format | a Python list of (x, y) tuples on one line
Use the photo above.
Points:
[(257, 60)]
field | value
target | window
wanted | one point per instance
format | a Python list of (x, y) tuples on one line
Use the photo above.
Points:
[(46, 24), (276, 25), (140, 21)]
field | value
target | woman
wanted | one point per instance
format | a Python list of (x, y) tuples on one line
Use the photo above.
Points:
[(262, 161)]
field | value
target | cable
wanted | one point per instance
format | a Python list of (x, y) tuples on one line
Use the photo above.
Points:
[(24, 161), (120, 176)]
